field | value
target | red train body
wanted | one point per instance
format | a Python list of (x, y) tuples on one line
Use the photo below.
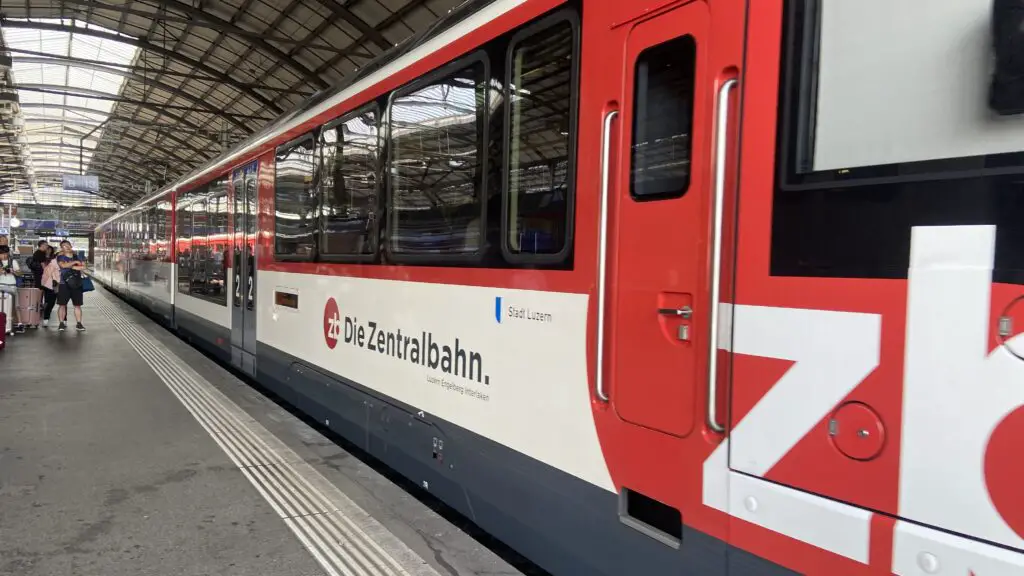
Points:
[(680, 287)]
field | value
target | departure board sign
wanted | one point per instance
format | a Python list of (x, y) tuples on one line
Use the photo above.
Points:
[(83, 182)]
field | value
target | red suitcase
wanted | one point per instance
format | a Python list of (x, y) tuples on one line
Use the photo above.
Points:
[(6, 316)]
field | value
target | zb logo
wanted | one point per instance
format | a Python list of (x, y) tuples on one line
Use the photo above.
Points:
[(332, 323)]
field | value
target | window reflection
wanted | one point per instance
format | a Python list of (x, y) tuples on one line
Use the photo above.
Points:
[(663, 119), (184, 243), (349, 186), (214, 273), (295, 201), (435, 166), (540, 100), (200, 247)]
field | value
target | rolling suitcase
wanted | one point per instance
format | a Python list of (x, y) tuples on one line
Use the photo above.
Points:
[(7, 312), (30, 306)]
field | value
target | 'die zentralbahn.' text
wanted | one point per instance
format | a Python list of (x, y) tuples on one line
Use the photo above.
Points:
[(422, 350)]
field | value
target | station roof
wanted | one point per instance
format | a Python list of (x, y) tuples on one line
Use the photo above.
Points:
[(140, 92)]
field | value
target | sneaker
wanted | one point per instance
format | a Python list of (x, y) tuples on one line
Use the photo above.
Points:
[(20, 329), (62, 327), (79, 327), (46, 323)]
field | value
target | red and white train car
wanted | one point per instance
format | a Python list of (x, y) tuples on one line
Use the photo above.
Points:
[(645, 288)]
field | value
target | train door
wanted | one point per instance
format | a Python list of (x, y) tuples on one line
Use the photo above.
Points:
[(243, 274), (665, 206)]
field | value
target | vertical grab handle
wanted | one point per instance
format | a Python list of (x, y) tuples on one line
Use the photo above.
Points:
[(721, 135), (602, 254)]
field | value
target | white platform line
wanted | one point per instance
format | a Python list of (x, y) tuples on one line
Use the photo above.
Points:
[(340, 535)]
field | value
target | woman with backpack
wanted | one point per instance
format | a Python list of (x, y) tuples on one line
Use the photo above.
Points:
[(71, 286)]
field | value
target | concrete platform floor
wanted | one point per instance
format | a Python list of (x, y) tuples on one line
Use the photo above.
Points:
[(104, 470)]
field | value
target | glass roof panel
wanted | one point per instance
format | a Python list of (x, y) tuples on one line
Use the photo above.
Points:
[(57, 196), (55, 117)]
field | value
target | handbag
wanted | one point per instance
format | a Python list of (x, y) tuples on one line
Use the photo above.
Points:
[(87, 284)]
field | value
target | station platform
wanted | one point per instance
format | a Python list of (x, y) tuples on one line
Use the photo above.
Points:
[(123, 451)]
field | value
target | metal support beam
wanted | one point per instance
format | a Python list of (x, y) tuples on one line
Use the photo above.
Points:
[(99, 95), (171, 90), (358, 23), (81, 145), (202, 21), (172, 135), (276, 53), (148, 46), (34, 57)]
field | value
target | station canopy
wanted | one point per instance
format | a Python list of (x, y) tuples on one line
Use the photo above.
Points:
[(137, 93)]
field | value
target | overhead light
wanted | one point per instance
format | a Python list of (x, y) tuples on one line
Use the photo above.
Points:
[(15, 222)]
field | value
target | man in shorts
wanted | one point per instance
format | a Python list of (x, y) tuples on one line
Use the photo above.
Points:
[(70, 287)]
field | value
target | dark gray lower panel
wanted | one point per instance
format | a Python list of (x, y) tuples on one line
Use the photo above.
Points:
[(200, 332), (566, 525), (156, 309)]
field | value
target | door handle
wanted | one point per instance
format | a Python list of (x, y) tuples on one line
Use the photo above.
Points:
[(721, 148), (685, 312), (602, 257)]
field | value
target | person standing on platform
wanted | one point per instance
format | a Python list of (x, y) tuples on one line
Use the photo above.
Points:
[(38, 260), (70, 288), (9, 272), (49, 283)]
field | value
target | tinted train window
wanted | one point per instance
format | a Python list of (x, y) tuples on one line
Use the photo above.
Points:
[(867, 152), (217, 250), (184, 241), (163, 231), (663, 119), (200, 247), (295, 202), (538, 176), (348, 186), (435, 166)]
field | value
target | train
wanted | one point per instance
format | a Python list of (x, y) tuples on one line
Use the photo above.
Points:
[(715, 287)]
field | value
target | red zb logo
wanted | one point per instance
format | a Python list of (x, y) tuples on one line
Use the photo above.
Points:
[(332, 323)]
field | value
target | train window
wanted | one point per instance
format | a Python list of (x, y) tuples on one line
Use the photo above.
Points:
[(217, 250), (200, 248), (436, 177), (165, 230), (149, 246), (867, 151), (295, 202), (348, 186), (541, 91), (184, 242), (154, 231), (663, 120)]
